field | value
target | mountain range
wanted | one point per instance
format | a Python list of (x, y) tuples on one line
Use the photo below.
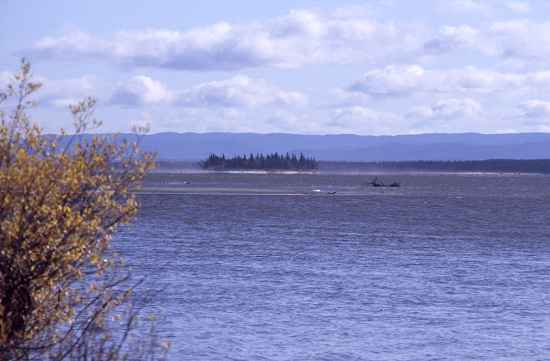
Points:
[(347, 147)]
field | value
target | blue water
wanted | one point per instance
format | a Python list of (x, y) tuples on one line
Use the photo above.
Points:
[(257, 267)]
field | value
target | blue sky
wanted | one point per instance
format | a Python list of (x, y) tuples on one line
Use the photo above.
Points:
[(324, 67)]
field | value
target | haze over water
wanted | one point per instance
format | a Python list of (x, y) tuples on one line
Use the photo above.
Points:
[(446, 267)]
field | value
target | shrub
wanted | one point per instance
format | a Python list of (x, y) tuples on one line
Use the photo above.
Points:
[(63, 294)]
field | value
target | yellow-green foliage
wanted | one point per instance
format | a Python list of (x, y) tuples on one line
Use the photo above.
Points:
[(60, 202)]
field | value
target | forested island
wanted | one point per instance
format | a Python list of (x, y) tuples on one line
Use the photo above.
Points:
[(540, 166), (273, 161)]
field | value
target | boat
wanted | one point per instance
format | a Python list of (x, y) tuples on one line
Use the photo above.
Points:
[(376, 183)]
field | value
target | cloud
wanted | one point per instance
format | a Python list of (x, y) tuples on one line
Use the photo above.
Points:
[(455, 37), (389, 81), (142, 122), (363, 120), (512, 39), (521, 39), (534, 114), (483, 7), (5, 78), (238, 91), (235, 92), (282, 120), (63, 92), (518, 6), (468, 6), (304, 37), (299, 38), (448, 109), (535, 109), (540, 79), (235, 120), (414, 79), (141, 90), (59, 93), (72, 46)]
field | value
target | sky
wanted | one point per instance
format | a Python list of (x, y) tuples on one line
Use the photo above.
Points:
[(368, 67)]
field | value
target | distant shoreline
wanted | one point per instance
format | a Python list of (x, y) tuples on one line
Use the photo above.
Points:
[(489, 166)]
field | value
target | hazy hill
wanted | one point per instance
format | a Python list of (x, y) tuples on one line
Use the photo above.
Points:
[(468, 146)]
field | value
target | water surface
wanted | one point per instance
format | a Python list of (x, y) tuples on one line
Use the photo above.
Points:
[(258, 267)]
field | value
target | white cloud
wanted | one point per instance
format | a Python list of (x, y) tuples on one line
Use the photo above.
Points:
[(298, 38), (389, 81), (518, 6), (143, 122), (538, 79), (467, 6), (235, 92), (235, 120), (57, 92), (483, 7), (304, 37), (72, 46), (63, 92), (281, 120), (5, 78), (534, 114), (448, 109), (476, 80), (141, 90), (239, 91), (414, 79), (363, 120), (522, 39), (455, 37), (535, 109), (346, 97), (430, 68)]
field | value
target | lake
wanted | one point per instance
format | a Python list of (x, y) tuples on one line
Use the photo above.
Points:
[(263, 267)]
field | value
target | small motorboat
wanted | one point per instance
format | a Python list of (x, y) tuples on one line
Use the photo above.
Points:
[(376, 183)]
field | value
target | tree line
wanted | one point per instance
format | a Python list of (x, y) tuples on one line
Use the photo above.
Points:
[(488, 165), (261, 161)]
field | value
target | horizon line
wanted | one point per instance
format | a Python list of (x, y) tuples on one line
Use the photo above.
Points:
[(306, 134)]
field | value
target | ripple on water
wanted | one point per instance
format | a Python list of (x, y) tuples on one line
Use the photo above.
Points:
[(445, 268)]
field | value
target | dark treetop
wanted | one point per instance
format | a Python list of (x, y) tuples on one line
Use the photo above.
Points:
[(273, 161)]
